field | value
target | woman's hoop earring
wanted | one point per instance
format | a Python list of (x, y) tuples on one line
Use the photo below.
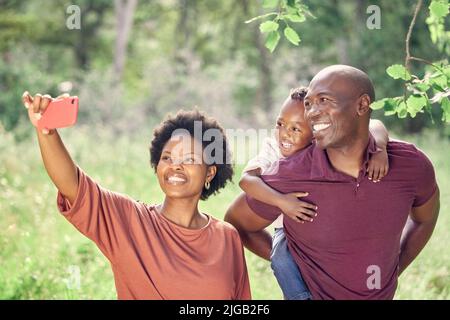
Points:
[(207, 185)]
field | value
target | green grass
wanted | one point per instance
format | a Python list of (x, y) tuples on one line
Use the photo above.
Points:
[(37, 245)]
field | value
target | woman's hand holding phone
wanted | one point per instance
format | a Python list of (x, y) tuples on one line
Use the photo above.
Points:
[(62, 113)]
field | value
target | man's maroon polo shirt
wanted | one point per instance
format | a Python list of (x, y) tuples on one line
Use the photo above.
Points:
[(359, 223)]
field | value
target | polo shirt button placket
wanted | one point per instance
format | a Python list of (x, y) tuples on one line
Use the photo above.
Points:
[(357, 185), (358, 182)]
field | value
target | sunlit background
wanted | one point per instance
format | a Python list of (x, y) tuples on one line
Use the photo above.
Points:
[(132, 62)]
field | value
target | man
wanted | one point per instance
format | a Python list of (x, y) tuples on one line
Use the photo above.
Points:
[(365, 233)]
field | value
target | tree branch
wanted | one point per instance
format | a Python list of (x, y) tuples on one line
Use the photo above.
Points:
[(426, 62), (408, 35)]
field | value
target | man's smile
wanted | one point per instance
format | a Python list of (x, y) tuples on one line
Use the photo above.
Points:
[(320, 126)]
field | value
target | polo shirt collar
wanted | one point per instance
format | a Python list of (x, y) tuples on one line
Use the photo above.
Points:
[(322, 168)]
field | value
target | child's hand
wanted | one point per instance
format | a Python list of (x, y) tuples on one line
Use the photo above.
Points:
[(296, 209), (36, 107), (378, 165)]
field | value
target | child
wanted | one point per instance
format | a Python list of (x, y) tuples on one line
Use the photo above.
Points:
[(292, 135)]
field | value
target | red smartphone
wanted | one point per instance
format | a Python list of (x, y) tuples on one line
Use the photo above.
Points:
[(60, 113)]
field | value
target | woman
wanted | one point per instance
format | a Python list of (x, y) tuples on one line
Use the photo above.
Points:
[(165, 251)]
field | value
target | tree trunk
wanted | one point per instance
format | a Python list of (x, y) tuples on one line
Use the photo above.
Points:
[(124, 10), (265, 74), (182, 32), (341, 42), (88, 32), (342, 50), (264, 93)]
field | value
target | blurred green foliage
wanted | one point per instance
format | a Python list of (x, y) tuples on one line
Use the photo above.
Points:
[(38, 246), (180, 53), (183, 53)]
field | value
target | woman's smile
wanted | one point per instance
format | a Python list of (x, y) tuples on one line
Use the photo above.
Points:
[(176, 179)]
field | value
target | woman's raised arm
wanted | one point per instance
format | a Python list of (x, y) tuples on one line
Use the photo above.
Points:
[(57, 161)]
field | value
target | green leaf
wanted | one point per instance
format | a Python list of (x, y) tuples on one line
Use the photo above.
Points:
[(291, 3), (292, 36), (415, 104), (422, 87), (291, 10), (445, 105), (437, 87), (390, 104), (401, 110), (447, 71), (291, 6), (440, 80), (433, 33), (379, 104), (438, 9), (390, 113), (295, 17), (397, 71), (270, 4), (272, 40), (268, 26)]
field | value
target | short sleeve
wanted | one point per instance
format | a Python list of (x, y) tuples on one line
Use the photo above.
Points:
[(265, 158), (99, 214), (426, 184)]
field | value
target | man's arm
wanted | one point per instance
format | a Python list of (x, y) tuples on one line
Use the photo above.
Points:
[(250, 227), (418, 230)]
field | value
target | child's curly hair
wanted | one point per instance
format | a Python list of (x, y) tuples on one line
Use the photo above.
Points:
[(186, 120), (299, 93)]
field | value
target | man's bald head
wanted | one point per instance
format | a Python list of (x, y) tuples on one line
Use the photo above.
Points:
[(337, 105), (356, 81)]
